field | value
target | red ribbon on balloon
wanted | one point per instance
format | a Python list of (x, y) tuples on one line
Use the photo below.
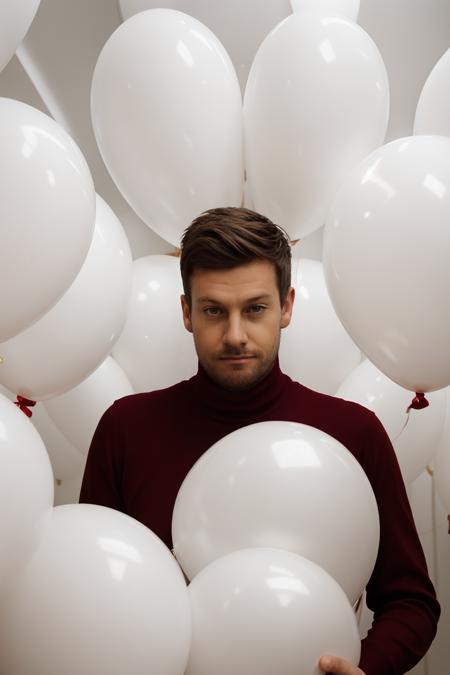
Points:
[(25, 404), (418, 403)]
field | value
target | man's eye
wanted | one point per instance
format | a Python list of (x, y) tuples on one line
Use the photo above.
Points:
[(256, 309), (212, 311)]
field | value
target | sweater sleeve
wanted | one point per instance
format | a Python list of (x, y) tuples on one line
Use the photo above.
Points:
[(102, 475), (399, 592)]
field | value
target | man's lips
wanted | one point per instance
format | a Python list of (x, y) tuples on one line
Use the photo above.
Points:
[(241, 357)]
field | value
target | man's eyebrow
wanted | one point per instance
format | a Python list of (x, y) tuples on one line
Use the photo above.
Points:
[(257, 298), (205, 298)]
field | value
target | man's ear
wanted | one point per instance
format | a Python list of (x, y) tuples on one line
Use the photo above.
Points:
[(286, 308), (186, 313)]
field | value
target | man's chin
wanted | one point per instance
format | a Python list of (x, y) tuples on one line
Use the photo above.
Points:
[(237, 380)]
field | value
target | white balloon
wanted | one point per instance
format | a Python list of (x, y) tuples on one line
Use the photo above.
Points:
[(441, 464), (315, 349), (166, 111), (77, 412), (264, 611), (26, 491), (102, 595), (433, 108), (415, 443), (15, 20), (241, 27), (154, 349), (347, 8), (316, 103), (47, 212), (263, 485), (69, 342), (386, 253)]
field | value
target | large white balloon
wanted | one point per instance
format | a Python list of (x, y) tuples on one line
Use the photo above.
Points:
[(47, 212), (15, 20), (433, 108), (26, 491), (386, 253), (415, 443), (166, 111), (315, 348), (347, 8), (263, 485), (264, 611), (241, 27), (75, 336), (102, 595), (154, 349), (77, 412), (316, 103)]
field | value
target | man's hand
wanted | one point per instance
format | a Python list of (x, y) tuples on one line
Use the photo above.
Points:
[(337, 666)]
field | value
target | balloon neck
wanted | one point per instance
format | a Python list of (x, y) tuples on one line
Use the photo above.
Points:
[(25, 404), (418, 403), (448, 524)]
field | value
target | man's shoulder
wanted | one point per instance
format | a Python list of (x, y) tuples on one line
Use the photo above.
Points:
[(335, 406), (150, 402), (352, 424)]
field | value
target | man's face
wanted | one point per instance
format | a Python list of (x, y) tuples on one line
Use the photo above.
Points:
[(236, 318)]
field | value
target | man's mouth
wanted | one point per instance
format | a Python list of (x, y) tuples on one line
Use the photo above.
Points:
[(236, 357)]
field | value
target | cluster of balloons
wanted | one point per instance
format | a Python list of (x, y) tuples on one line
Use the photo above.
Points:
[(266, 593), (316, 105), (260, 486), (184, 152), (83, 325)]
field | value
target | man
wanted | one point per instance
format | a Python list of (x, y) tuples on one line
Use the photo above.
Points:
[(235, 266)]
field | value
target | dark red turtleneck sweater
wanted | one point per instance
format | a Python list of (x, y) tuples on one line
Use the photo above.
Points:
[(145, 445)]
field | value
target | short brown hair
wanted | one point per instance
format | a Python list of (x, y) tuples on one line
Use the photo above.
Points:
[(225, 238)]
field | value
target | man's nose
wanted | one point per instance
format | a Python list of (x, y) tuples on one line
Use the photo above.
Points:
[(236, 334)]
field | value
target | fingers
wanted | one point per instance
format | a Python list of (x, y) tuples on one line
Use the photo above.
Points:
[(338, 666)]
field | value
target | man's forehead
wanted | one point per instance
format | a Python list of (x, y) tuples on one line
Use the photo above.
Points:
[(253, 280)]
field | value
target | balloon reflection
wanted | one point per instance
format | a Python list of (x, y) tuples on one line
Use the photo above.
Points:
[(289, 455)]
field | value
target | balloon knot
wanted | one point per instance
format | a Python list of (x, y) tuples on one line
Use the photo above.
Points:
[(418, 403), (25, 404)]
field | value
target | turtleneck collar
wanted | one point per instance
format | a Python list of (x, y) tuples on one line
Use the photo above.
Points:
[(237, 406)]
